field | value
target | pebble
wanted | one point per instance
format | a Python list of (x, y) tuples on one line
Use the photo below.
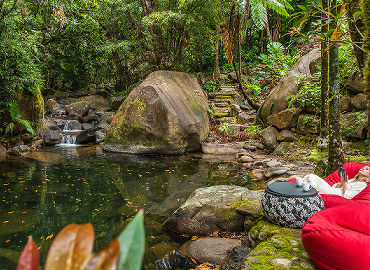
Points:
[(246, 159), (285, 263)]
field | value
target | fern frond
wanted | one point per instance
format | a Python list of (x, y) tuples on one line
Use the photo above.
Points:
[(278, 6), (258, 14)]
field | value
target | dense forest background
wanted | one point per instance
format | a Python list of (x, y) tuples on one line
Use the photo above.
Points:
[(111, 45)]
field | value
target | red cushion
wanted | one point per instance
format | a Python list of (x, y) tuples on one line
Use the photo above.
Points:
[(339, 237)]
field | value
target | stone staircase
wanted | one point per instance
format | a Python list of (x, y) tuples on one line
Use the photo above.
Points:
[(221, 104)]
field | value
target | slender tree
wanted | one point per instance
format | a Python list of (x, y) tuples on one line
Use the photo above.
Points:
[(366, 70), (336, 156), (324, 76)]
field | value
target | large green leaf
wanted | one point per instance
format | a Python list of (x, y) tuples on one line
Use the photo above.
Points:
[(132, 244)]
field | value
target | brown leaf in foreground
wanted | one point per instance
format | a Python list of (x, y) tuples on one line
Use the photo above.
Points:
[(71, 247), (105, 259), (29, 259)]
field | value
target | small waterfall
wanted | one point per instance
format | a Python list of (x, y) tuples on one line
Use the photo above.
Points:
[(71, 128)]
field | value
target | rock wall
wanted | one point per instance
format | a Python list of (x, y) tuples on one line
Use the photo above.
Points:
[(165, 114)]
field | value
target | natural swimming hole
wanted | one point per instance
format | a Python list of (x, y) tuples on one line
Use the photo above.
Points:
[(46, 190)]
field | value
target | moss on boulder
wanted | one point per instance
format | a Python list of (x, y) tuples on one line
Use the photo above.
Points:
[(276, 247), (165, 114)]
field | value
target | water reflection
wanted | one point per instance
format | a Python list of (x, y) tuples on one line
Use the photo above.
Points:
[(47, 190)]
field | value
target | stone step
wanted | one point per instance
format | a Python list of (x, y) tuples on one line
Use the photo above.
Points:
[(230, 120), (221, 110), (222, 114), (220, 104), (214, 101), (228, 89), (221, 95)]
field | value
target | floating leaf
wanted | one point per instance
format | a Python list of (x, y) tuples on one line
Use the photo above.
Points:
[(105, 259), (132, 243), (29, 259), (71, 247)]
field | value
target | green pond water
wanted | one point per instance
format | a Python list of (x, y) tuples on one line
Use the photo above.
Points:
[(42, 193)]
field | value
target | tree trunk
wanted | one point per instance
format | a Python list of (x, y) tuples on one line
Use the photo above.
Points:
[(366, 70), (216, 71), (324, 77), (336, 156), (356, 29)]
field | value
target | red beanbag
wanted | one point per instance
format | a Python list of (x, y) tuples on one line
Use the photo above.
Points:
[(339, 237)]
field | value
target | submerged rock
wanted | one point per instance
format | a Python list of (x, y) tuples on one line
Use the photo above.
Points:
[(165, 114), (209, 249), (215, 208)]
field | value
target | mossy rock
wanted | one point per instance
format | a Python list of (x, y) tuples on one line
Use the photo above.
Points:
[(353, 125), (165, 114), (31, 106), (276, 248), (308, 124)]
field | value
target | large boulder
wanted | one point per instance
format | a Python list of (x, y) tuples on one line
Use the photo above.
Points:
[(52, 133), (275, 247), (359, 102), (353, 125), (216, 208), (82, 105), (308, 124), (284, 119), (31, 108), (165, 114), (269, 137), (277, 99), (3, 153)]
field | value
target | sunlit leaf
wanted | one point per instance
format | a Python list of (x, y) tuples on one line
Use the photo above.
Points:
[(105, 259), (132, 244), (29, 259), (71, 247)]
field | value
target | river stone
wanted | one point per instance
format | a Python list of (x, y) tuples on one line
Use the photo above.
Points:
[(273, 248), (277, 100), (96, 102), (86, 136), (221, 148), (51, 105), (269, 136), (215, 208), (257, 175), (353, 125), (284, 119), (73, 125), (87, 126), (165, 114), (209, 249), (99, 136), (78, 108), (359, 102), (245, 159), (52, 133), (19, 150), (286, 136), (2, 152), (234, 258), (308, 124)]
